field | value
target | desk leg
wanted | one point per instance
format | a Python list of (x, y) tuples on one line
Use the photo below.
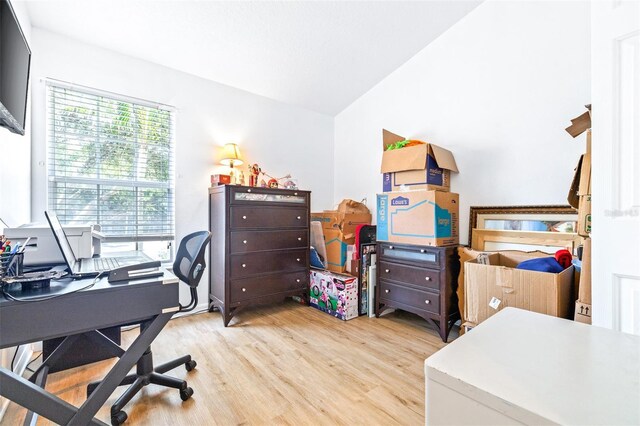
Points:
[(28, 395), (120, 370)]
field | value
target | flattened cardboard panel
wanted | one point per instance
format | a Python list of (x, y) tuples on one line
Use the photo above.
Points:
[(572, 197), (584, 291), (579, 124)]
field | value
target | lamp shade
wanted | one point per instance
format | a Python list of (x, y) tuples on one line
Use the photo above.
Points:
[(231, 155)]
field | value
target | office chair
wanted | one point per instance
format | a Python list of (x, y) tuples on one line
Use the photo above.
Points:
[(189, 267)]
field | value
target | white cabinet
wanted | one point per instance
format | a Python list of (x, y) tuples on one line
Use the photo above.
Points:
[(520, 367)]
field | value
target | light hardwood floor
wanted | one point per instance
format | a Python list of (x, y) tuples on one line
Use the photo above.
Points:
[(281, 364)]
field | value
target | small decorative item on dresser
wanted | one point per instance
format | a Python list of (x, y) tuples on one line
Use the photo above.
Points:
[(240, 178), (419, 279), (220, 180), (254, 174)]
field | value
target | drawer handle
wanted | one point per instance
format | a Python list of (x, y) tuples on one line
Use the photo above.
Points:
[(244, 217), (298, 259), (299, 218), (387, 291), (295, 193), (427, 301), (297, 280), (248, 190), (422, 250), (244, 289), (299, 238), (427, 278), (386, 270), (244, 241), (390, 247), (244, 265)]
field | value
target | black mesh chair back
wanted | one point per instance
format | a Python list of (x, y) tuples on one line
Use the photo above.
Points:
[(190, 263)]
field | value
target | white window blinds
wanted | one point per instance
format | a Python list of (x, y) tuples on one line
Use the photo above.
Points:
[(110, 162)]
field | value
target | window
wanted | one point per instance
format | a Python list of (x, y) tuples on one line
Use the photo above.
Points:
[(110, 162)]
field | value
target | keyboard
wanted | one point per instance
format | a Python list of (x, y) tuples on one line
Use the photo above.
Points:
[(105, 263)]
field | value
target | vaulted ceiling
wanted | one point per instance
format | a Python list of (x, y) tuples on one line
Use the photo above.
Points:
[(319, 55)]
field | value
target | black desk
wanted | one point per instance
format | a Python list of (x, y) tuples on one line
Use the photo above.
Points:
[(101, 306)]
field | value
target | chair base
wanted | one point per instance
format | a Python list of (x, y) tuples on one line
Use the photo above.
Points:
[(145, 375)]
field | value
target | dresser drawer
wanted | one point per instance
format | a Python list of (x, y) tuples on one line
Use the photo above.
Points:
[(251, 288), (266, 196), (247, 241), (244, 265), (430, 257), (422, 277), (415, 298), (243, 217)]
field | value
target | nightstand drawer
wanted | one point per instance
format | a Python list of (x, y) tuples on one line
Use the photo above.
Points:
[(418, 255), (244, 265), (422, 277), (248, 241), (251, 288), (409, 296), (243, 217)]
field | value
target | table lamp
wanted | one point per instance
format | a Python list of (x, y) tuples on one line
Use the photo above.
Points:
[(231, 157)]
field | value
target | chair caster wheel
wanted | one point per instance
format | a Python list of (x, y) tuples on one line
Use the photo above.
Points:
[(190, 365), (186, 393), (118, 418)]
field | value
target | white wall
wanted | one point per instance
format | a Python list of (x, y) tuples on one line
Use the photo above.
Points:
[(281, 138), (15, 155), (497, 89)]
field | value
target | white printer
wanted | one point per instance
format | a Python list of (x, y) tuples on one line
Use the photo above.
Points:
[(43, 249)]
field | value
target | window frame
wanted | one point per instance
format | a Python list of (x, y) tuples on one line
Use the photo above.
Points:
[(136, 185)]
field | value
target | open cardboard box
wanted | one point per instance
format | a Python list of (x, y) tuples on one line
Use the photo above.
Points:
[(491, 287), (424, 166), (339, 229)]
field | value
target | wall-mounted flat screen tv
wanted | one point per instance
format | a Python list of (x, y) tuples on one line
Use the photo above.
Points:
[(15, 59)]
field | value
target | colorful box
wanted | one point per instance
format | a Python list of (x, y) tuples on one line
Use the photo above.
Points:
[(427, 218), (333, 293), (421, 167), (220, 180)]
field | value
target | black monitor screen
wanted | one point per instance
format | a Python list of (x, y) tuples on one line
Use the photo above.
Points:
[(15, 57)]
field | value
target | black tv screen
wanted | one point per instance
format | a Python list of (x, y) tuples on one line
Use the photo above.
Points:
[(15, 58)]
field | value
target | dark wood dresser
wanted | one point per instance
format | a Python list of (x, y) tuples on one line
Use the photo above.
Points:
[(259, 246), (419, 279)]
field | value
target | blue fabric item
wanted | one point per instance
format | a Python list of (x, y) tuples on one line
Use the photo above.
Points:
[(314, 259), (541, 264), (577, 264)]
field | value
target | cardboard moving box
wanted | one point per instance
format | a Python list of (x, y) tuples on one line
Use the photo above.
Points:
[(583, 313), (425, 166), (339, 227), (336, 244), (427, 218), (490, 288), (344, 222)]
